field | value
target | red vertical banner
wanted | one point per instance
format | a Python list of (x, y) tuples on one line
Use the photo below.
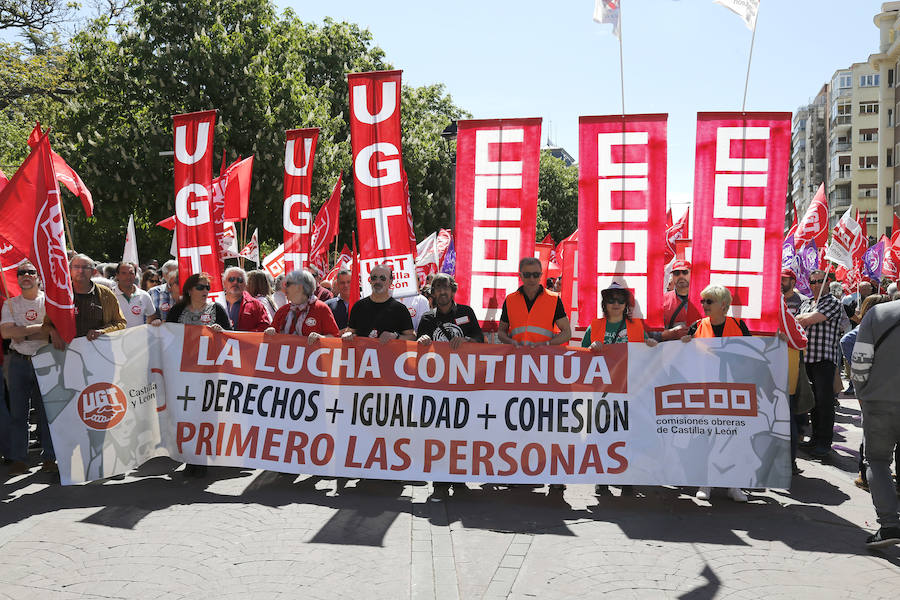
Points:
[(622, 212), (567, 255), (740, 181), (198, 250), (382, 207), (299, 154), (497, 167)]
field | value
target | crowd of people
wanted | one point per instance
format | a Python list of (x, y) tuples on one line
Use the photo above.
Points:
[(854, 331)]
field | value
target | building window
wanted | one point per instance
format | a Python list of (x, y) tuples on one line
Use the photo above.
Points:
[(887, 196), (890, 117), (845, 81), (891, 75), (868, 162), (868, 135), (868, 81), (868, 108), (889, 157)]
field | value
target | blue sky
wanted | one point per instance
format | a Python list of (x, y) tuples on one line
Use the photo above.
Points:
[(531, 58)]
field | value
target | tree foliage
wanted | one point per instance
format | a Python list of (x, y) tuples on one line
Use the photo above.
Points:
[(557, 198)]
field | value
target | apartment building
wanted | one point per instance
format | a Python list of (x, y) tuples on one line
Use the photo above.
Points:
[(809, 146), (886, 63)]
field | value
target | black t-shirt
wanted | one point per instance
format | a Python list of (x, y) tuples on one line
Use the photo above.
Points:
[(459, 322), (718, 330), (559, 313), (370, 319)]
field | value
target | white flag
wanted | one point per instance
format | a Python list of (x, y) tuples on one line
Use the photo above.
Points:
[(607, 11), (130, 254), (745, 9), (845, 238), (274, 262), (229, 241), (251, 250)]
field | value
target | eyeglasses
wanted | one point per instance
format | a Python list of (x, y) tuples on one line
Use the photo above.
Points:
[(202, 287), (707, 301), (530, 274), (377, 278), (680, 272), (235, 280), (26, 272), (615, 300), (815, 281)]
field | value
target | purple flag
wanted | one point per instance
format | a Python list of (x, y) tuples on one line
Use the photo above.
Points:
[(448, 265), (873, 259)]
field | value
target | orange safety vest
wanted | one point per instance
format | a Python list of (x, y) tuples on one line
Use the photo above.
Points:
[(535, 325), (732, 329), (634, 328)]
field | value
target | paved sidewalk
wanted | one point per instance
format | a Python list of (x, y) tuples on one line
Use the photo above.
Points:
[(253, 534)]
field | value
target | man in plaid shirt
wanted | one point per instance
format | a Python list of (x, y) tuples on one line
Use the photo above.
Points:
[(822, 320)]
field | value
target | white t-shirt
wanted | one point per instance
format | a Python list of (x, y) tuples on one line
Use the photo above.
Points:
[(21, 311), (417, 306), (136, 309)]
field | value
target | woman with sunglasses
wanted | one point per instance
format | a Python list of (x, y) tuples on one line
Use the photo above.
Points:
[(304, 314), (715, 300), (149, 279), (194, 308)]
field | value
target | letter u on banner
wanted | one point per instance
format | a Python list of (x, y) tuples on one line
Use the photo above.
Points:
[(299, 154), (196, 233), (382, 212), (497, 167), (740, 182), (622, 212)]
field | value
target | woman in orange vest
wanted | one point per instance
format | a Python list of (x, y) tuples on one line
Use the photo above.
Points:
[(617, 326), (715, 301)]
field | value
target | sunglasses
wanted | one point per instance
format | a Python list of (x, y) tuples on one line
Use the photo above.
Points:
[(202, 287), (707, 301), (815, 281), (377, 278), (530, 275), (235, 280), (680, 272), (616, 300), (26, 272)]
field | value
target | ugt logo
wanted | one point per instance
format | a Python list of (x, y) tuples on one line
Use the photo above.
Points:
[(102, 406)]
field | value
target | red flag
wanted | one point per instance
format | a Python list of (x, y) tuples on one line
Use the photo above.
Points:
[(237, 190), (325, 227), (296, 214), (740, 182), (3, 180), (31, 221), (548, 239), (167, 223), (497, 169), (895, 230), (814, 224), (669, 221), (678, 231), (863, 224), (382, 198), (66, 174), (193, 138), (354, 277), (888, 266), (622, 212), (343, 262)]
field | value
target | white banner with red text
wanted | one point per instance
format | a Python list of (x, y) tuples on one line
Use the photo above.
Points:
[(740, 182), (497, 168), (383, 218), (487, 413)]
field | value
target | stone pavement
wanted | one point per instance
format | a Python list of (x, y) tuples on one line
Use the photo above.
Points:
[(253, 534)]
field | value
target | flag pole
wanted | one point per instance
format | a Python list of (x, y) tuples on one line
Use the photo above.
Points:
[(62, 209), (749, 61)]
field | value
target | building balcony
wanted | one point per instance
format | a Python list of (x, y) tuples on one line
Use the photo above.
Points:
[(841, 147), (840, 177), (840, 203), (841, 123)]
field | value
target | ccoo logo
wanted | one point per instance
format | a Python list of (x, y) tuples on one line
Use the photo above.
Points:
[(102, 406)]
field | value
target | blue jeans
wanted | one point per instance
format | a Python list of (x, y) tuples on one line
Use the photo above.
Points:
[(881, 427), (23, 394)]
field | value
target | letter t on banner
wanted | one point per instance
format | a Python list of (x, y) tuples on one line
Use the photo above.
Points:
[(382, 212), (497, 167), (622, 212), (740, 181), (299, 154)]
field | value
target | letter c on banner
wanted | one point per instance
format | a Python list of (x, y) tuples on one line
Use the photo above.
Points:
[(391, 168), (181, 143), (388, 103), (200, 208), (297, 216)]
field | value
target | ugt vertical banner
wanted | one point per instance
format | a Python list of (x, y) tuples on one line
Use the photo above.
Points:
[(497, 166), (198, 249), (382, 211), (622, 212), (740, 182), (299, 152)]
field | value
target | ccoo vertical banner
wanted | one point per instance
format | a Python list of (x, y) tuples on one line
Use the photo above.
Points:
[(382, 209), (299, 153), (740, 182), (622, 211), (497, 167), (198, 249)]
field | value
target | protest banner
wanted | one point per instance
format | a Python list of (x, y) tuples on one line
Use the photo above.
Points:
[(299, 157), (622, 212), (383, 218), (740, 182), (497, 168), (487, 413)]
